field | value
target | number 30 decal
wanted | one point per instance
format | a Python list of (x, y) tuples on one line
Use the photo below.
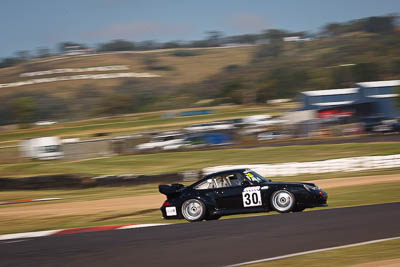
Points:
[(252, 197)]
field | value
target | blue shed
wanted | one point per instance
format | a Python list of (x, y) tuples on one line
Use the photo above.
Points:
[(364, 99)]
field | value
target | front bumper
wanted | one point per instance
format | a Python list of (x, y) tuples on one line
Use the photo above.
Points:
[(314, 198), (320, 198)]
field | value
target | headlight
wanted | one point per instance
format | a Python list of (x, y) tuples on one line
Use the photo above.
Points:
[(310, 188)]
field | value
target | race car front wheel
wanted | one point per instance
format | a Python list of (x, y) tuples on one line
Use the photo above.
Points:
[(193, 210), (282, 201)]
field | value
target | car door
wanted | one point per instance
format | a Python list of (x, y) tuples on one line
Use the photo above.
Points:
[(229, 197), (232, 194)]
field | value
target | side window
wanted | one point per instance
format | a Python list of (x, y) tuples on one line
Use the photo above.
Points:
[(230, 180), (223, 181), (234, 179), (207, 184), (220, 182)]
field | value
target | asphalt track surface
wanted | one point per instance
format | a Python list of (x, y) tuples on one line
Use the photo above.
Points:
[(212, 243)]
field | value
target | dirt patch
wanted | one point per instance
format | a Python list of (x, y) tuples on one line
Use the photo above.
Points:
[(140, 212), (384, 263), (132, 204), (137, 204)]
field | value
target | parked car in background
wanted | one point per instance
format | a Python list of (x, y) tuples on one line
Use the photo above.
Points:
[(267, 122), (201, 140), (255, 118), (165, 141), (204, 139), (271, 135), (45, 123), (379, 124), (211, 126)]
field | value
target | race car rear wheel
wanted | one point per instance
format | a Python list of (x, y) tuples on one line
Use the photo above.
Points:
[(193, 210), (282, 201)]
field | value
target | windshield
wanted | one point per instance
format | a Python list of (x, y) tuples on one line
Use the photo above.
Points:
[(50, 149), (255, 177)]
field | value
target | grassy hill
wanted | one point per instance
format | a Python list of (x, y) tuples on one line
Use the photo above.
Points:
[(175, 66), (195, 77)]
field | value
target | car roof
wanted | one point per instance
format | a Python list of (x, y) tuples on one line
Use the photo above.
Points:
[(226, 172), (219, 173)]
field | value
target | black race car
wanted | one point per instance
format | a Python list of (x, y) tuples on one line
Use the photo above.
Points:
[(237, 191)]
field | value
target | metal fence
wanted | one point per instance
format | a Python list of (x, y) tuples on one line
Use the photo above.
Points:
[(87, 149)]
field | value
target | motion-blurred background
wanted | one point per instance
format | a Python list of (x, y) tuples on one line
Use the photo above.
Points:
[(265, 86), (108, 93)]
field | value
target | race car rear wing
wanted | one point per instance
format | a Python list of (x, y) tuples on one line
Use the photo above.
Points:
[(170, 190)]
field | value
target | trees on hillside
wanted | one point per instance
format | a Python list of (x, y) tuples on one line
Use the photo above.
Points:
[(23, 110), (113, 104), (9, 62), (117, 45), (380, 25), (64, 47), (42, 52), (23, 55)]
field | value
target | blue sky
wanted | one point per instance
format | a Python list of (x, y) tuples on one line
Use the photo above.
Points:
[(29, 24)]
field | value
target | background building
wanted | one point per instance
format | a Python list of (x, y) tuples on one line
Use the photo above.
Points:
[(366, 99)]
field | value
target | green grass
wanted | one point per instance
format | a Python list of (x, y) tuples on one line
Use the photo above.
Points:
[(363, 195), (342, 257), (195, 160)]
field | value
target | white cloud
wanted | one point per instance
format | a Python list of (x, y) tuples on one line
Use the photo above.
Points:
[(246, 23)]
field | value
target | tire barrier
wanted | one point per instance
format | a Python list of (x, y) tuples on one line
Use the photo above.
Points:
[(315, 167), (71, 181)]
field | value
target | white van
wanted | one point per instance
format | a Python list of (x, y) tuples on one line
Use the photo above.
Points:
[(42, 148)]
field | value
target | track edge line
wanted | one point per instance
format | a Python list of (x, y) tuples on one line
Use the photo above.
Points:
[(312, 251)]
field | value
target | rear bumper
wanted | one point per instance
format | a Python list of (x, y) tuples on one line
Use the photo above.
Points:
[(168, 217), (171, 211)]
